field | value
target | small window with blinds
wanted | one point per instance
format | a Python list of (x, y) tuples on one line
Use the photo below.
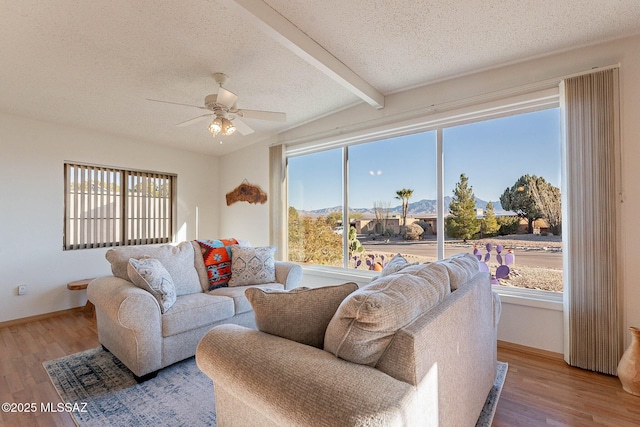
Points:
[(106, 206)]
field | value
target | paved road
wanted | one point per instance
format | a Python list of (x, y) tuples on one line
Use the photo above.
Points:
[(532, 258)]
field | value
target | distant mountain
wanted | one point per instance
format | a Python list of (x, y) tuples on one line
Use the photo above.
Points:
[(420, 208)]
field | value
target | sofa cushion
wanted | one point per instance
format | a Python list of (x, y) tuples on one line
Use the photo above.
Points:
[(237, 293), (178, 260), (301, 314), (397, 263), (150, 275), (461, 268), (252, 266), (216, 255), (194, 311), (367, 319)]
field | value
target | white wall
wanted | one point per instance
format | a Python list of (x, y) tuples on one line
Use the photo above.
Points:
[(520, 324), (243, 220), (32, 154)]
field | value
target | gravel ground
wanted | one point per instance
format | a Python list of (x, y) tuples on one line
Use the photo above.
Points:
[(526, 241), (545, 279)]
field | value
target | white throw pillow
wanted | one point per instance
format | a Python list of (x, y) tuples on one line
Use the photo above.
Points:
[(252, 266), (150, 275)]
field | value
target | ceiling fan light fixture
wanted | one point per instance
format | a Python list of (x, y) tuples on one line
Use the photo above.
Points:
[(216, 126), (228, 128)]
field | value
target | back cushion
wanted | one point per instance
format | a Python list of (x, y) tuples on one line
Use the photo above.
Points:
[(366, 321), (461, 268), (177, 260), (301, 314)]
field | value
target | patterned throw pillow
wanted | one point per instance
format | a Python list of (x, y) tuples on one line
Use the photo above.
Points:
[(217, 260), (150, 275), (252, 266)]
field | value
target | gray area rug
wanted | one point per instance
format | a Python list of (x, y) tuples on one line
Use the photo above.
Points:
[(103, 392), (486, 416), (181, 395)]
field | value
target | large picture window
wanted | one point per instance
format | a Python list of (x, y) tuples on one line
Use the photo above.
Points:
[(107, 206), (315, 193), (500, 184)]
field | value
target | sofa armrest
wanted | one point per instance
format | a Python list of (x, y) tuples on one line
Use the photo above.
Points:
[(288, 273), (113, 295), (129, 323), (497, 308), (289, 383)]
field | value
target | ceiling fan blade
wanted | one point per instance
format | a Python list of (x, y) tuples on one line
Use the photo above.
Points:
[(196, 120), (263, 115), (226, 98), (242, 127), (177, 103)]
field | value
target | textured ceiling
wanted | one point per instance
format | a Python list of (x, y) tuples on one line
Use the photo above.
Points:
[(92, 64)]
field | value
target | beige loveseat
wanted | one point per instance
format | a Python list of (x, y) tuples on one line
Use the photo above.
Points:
[(132, 325), (437, 370)]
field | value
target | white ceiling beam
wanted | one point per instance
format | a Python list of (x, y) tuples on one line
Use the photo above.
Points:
[(264, 17)]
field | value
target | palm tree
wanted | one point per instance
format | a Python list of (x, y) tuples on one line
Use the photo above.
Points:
[(404, 195)]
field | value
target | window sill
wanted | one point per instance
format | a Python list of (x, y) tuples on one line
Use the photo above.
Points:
[(530, 297), (339, 273), (515, 296)]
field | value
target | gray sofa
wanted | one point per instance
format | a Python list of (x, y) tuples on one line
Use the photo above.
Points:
[(132, 325), (437, 370)]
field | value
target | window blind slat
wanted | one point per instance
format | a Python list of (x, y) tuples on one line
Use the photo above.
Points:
[(108, 207), (83, 183)]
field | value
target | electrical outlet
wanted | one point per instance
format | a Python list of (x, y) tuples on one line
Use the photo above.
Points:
[(22, 289)]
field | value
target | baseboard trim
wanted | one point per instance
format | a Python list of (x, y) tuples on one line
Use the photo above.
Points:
[(530, 350), (43, 316)]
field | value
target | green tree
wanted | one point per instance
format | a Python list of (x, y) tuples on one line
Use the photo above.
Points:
[(489, 224), (508, 225), (404, 195), (296, 242), (547, 197), (532, 198), (462, 222)]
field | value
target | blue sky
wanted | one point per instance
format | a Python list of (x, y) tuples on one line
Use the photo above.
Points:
[(492, 153)]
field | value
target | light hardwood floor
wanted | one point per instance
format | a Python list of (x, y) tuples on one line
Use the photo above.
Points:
[(540, 390)]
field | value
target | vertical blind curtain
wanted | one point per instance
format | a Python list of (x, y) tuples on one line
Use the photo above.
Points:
[(110, 207), (277, 205), (592, 289)]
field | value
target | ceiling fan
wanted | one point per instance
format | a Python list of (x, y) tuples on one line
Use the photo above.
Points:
[(225, 113)]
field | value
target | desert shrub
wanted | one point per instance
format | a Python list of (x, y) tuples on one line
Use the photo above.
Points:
[(313, 240), (414, 231), (508, 225)]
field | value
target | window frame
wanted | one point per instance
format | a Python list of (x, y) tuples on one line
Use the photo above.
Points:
[(431, 119), (122, 214)]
